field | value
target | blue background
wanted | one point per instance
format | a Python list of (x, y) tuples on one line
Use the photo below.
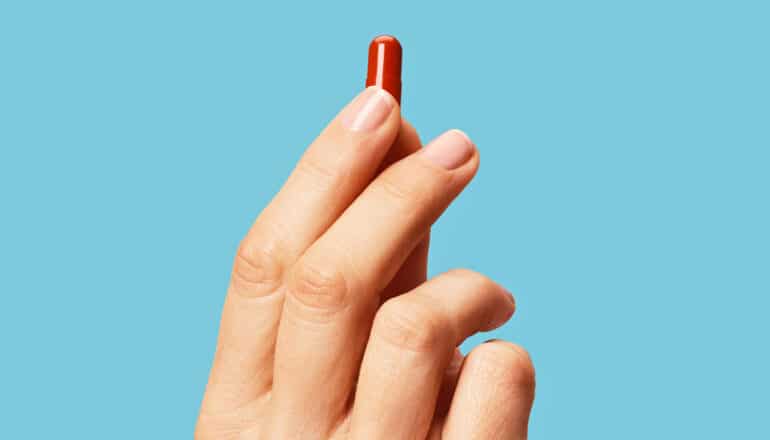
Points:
[(623, 195)]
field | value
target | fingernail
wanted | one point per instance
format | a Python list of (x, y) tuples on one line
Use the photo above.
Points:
[(368, 111), (450, 150)]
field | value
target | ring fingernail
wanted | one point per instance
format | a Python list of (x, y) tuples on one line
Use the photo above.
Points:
[(450, 150)]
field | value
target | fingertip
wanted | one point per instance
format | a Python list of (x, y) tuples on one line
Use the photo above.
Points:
[(464, 135), (507, 361), (450, 150), (368, 111)]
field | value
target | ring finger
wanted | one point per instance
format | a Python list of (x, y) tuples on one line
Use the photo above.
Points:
[(411, 345)]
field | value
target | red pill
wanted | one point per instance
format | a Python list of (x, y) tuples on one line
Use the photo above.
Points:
[(385, 65)]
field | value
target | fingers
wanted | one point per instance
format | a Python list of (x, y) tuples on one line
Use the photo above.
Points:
[(412, 343), (368, 243), (385, 223), (413, 271), (334, 288), (448, 385), (494, 394), (406, 143), (331, 173), (415, 268)]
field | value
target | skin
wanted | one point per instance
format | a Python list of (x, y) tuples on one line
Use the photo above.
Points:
[(330, 329)]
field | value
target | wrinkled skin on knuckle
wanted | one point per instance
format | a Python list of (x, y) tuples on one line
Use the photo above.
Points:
[(257, 270), (392, 187), (323, 174), (418, 183), (409, 195), (412, 326), (321, 290)]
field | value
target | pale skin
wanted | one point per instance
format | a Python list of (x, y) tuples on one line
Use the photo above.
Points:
[(330, 329)]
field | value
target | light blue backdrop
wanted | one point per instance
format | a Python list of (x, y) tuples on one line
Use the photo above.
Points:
[(623, 195)]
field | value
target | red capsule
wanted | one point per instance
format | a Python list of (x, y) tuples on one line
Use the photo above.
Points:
[(385, 65)]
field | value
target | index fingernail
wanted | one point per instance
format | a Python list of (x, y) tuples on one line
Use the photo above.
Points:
[(368, 111)]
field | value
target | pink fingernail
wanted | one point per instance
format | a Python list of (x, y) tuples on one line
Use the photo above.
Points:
[(450, 150), (368, 111)]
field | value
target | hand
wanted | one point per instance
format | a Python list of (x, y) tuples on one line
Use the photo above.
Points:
[(330, 329)]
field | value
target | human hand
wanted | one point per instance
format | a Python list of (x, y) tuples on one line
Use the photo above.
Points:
[(330, 329)]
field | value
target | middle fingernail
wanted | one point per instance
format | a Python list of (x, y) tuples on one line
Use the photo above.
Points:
[(368, 111), (450, 150)]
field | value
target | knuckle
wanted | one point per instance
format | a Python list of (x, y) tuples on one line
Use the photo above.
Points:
[(257, 271), (408, 185), (505, 363), (317, 171), (318, 288), (395, 189), (411, 325)]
